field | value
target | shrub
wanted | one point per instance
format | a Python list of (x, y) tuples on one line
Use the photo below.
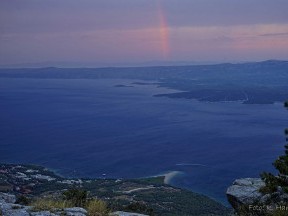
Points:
[(97, 207), (76, 197), (140, 208), (281, 164), (50, 204), (271, 183), (279, 213), (22, 200)]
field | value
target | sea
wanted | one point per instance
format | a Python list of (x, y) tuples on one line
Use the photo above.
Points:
[(112, 128)]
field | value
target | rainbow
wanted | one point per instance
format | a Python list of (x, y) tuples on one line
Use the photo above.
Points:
[(163, 31)]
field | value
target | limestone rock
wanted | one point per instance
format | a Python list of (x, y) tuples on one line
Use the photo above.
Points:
[(244, 191), (9, 209), (8, 198), (121, 213), (42, 213), (76, 211)]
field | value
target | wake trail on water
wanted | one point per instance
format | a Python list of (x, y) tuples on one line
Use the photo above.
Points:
[(191, 164), (204, 165)]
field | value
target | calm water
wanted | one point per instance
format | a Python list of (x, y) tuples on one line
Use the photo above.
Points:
[(90, 127)]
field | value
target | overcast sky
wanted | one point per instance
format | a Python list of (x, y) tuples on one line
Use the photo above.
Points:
[(130, 31)]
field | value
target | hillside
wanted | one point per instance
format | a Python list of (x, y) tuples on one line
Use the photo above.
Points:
[(151, 195)]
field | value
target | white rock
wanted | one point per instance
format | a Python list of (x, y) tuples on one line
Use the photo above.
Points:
[(42, 213), (8, 198), (244, 191), (121, 213), (9, 209), (75, 211)]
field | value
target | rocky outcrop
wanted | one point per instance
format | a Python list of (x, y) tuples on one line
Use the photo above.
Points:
[(244, 192), (8, 198), (9, 208)]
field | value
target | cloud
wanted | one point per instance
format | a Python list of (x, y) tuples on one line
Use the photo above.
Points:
[(74, 15), (236, 42), (109, 30), (275, 34)]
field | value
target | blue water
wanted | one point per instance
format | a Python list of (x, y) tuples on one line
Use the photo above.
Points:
[(84, 128)]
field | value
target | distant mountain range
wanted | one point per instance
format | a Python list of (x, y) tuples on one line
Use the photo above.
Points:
[(63, 64), (255, 82)]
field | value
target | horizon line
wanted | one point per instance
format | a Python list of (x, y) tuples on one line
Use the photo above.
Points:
[(131, 65)]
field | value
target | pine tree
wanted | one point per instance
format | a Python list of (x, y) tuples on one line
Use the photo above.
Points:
[(281, 164)]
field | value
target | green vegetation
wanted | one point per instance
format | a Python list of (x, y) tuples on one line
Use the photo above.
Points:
[(71, 198), (279, 213), (97, 207), (139, 207), (166, 201), (76, 197), (158, 180), (147, 195), (22, 200), (48, 204), (281, 164), (274, 201)]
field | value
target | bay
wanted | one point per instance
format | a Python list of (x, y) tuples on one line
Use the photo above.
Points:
[(91, 127)]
